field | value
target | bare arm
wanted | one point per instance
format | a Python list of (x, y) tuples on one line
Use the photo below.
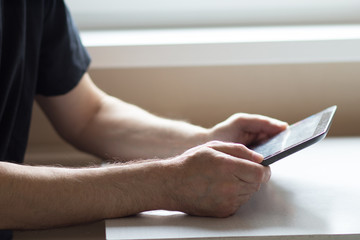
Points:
[(42, 197), (222, 175), (38, 197), (108, 127)]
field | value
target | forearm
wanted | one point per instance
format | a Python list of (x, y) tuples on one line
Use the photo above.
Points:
[(123, 131), (42, 197)]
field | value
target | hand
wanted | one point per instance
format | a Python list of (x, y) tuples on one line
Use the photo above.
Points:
[(215, 179), (247, 129)]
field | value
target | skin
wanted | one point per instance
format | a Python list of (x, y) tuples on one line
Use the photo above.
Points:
[(203, 172)]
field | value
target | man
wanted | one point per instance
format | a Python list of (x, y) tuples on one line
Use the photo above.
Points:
[(205, 172)]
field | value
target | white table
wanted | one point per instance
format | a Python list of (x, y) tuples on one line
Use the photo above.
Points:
[(314, 193)]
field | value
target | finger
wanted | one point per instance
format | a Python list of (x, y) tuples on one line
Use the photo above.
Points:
[(238, 156), (261, 124), (251, 172), (236, 150)]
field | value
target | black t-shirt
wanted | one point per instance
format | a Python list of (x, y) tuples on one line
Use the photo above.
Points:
[(40, 53)]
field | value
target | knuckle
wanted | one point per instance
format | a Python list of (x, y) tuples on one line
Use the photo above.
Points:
[(213, 143), (201, 153), (241, 147), (245, 150)]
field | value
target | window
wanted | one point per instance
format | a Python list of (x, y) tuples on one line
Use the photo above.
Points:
[(161, 33), (132, 14)]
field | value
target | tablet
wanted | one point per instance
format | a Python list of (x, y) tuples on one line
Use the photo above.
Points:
[(298, 136)]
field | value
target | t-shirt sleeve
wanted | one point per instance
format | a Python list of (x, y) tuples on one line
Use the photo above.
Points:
[(63, 58)]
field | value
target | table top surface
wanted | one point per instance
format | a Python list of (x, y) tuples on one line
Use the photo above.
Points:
[(313, 192)]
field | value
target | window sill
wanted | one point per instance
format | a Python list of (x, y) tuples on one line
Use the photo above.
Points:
[(223, 46)]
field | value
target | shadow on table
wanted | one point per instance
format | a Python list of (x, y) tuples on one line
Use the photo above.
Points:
[(271, 207)]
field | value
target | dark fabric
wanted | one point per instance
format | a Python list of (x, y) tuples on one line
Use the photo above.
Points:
[(41, 53), (6, 235)]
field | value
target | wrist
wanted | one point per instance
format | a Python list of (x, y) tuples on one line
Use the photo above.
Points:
[(138, 187), (159, 184), (201, 136), (171, 184)]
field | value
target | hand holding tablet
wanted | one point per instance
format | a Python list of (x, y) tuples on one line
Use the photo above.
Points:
[(298, 136)]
